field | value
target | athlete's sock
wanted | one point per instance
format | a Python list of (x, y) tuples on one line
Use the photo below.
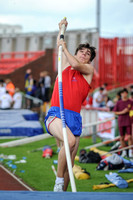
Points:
[(59, 180)]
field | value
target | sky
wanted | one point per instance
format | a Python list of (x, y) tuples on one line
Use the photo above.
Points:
[(116, 16)]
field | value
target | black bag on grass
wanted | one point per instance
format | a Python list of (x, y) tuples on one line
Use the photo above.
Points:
[(90, 157)]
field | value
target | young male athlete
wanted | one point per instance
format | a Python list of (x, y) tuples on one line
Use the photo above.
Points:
[(76, 78), (122, 109)]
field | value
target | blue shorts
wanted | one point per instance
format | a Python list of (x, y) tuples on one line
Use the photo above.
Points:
[(73, 119)]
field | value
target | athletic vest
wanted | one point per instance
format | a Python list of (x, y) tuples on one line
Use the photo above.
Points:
[(75, 90)]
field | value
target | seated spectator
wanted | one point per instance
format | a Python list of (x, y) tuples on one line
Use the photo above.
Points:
[(109, 103), (17, 99), (2, 88), (5, 101), (10, 87), (98, 100), (105, 91)]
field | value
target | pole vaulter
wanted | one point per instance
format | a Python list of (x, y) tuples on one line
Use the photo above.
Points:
[(68, 157)]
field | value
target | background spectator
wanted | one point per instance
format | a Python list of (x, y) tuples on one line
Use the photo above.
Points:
[(2, 88), (34, 88), (5, 101), (109, 103), (47, 86), (105, 91), (29, 82), (122, 109), (41, 87), (10, 87), (98, 98), (17, 99), (117, 98)]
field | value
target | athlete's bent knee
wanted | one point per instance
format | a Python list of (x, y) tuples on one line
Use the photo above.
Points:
[(72, 143)]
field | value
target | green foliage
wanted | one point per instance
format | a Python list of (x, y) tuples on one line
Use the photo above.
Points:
[(38, 172)]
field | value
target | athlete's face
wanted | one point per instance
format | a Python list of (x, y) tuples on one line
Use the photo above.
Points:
[(83, 55)]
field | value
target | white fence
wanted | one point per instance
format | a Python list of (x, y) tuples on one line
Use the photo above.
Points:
[(98, 122)]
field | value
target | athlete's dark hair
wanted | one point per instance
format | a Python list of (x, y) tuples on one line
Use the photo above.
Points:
[(87, 46)]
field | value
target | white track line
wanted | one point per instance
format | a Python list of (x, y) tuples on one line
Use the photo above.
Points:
[(16, 178), (26, 140)]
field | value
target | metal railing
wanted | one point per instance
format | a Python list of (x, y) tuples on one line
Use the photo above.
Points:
[(90, 122), (33, 103)]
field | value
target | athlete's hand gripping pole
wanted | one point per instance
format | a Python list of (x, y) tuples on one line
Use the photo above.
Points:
[(68, 157)]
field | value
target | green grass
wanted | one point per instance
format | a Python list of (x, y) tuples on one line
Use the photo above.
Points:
[(38, 172)]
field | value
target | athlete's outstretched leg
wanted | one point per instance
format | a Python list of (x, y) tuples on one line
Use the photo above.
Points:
[(73, 154)]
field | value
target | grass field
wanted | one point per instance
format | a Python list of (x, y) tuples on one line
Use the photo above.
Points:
[(38, 174)]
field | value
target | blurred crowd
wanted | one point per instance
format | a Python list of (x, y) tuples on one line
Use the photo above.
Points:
[(101, 98), (40, 89), (11, 97)]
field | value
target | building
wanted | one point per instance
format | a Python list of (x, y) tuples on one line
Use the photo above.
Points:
[(10, 29), (10, 41)]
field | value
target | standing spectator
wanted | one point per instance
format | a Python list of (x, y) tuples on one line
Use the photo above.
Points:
[(40, 93), (17, 99), (42, 77), (29, 82), (98, 98), (5, 101), (28, 72), (34, 88), (45, 80), (47, 91), (10, 87), (41, 86), (47, 86), (122, 109)]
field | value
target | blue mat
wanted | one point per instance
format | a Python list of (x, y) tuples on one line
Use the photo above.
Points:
[(37, 195), (21, 122)]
